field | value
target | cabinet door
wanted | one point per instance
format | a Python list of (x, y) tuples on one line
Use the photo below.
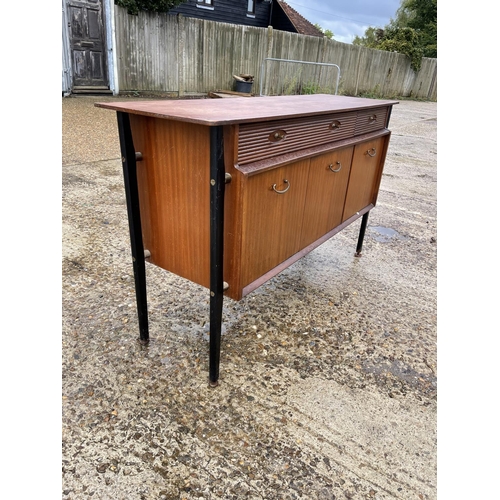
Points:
[(272, 218), (326, 192), (366, 172)]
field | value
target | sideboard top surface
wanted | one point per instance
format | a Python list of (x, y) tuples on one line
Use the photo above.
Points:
[(214, 112)]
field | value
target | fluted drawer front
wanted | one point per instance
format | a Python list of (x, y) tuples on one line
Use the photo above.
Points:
[(258, 141), (370, 120)]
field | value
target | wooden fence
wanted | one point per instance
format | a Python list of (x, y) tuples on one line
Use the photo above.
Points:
[(179, 55)]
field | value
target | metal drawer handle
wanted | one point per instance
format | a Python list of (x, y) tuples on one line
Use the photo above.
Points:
[(335, 125), (277, 135), (372, 118), (337, 169), (371, 154), (284, 190)]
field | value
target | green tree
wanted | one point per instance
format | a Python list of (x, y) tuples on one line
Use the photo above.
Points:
[(371, 39), (328, 33), (405, 41), (424, 21), (403, 14), (413, 32), (420, 15), (134, 6)]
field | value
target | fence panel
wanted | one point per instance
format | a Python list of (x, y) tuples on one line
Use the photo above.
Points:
[(253, 51), (424, 84), (172, 53), (290, 77)]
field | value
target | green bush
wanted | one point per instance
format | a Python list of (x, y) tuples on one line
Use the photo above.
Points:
[(405, 41), (134, 6)]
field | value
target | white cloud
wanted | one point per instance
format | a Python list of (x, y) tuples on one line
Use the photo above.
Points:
[(349, 18)]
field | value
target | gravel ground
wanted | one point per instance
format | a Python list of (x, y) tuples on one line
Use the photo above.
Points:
[(328, 372)]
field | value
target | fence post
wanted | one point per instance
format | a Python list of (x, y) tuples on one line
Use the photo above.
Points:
[(181, 54), (270, 42), (432, 87), (357, 71)]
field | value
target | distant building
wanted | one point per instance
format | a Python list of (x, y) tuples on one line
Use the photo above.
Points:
[(284, 18), (260, 13), (246, 12)]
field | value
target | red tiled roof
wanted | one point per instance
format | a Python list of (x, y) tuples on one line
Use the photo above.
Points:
[(301, 24)]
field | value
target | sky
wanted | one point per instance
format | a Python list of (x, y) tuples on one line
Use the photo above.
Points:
[(347, 18)]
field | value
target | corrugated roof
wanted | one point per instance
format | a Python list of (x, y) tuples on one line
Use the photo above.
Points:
[(301, 24)]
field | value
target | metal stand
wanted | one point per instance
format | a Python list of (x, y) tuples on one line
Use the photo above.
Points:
[(364, 222), (129, 164), (217, 187)]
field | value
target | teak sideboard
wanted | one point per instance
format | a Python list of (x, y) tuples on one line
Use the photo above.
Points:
[(229, 192)]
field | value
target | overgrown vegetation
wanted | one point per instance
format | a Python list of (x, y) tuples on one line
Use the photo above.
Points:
[(295, 85), (134, 6), (328, 33), (405, 41), (376, 93), (413, 32)]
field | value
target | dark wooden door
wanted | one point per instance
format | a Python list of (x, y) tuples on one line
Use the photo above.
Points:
[(87, 39)]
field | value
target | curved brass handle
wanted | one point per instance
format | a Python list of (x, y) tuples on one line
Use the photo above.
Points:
[(337, 169), (335, 125), (370, 154), (372, 118), (284, 190)]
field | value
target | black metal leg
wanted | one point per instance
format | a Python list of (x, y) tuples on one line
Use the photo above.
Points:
[(134, 221), (364, 222), (217, 184)]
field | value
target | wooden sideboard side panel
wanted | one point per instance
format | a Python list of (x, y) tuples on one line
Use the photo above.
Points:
[(145, 179), (174, 195)]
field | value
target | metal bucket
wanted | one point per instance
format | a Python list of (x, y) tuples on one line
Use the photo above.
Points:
[(245, 87)]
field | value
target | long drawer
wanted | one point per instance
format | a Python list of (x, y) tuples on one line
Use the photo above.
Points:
[(257, 141)]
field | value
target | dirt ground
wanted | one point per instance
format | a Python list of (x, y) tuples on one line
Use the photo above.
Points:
[(328, 372)]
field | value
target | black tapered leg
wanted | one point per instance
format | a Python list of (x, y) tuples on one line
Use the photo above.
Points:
[(134, 221), (217, 184), (362, 229)]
